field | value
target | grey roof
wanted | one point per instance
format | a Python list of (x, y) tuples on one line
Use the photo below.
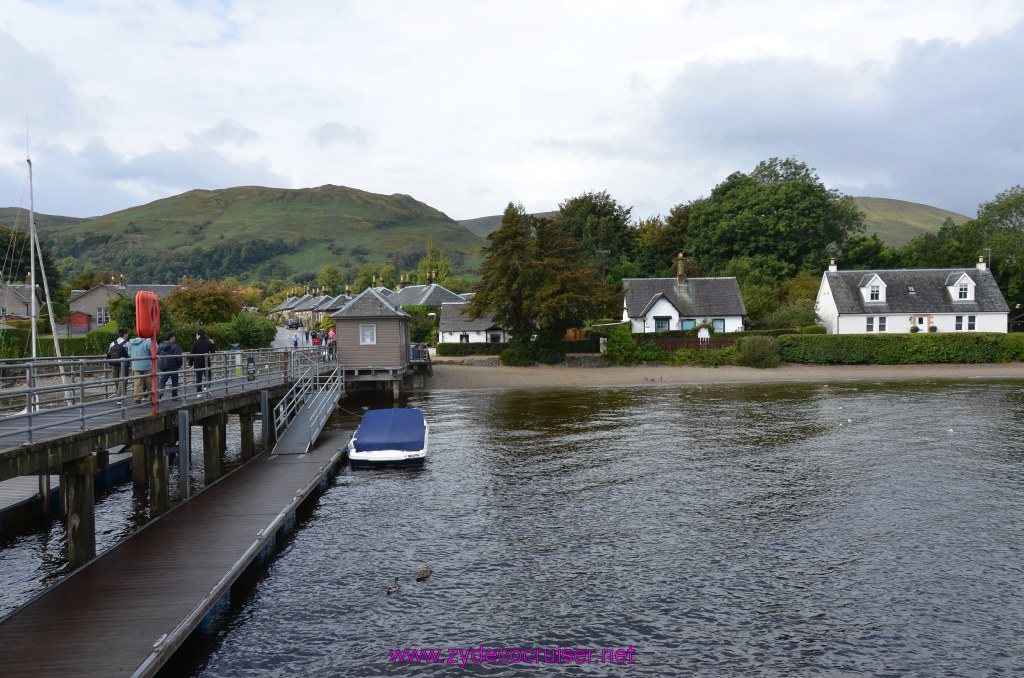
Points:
[(20, 290), (331, 304), (370, 304), (308, 303), (454, 320), (424, 295), (161, 291), (930, 293), (294, 301), (694, 297), (284, 305)]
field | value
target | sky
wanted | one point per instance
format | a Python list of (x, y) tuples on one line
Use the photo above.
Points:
[(469, 105)]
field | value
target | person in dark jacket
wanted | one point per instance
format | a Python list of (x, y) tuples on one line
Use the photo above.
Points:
[(199, 358), (168, 362)]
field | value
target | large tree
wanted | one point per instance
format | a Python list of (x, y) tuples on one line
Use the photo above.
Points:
[(781, 210), (533, 280), (599, 224), (194, 302)]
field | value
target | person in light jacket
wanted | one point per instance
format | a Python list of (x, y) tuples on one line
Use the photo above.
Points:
[(140, 351)]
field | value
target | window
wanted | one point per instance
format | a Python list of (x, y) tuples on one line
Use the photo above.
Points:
[(494, 337), (962, 291), (874, 293), (689, 324), (718, 324), (970, 323), (881, 323), (870, 324), (463, 338), (102, 316), (661, 323), (911, 290), (367, 334), (959, 323)]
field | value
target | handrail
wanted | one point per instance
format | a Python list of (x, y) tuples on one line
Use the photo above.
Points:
[(34, 389), (313, 373)]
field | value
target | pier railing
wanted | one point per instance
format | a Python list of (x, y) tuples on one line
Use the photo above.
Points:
[(52, 392), (318, 382)]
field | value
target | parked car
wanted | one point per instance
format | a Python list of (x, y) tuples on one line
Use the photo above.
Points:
[(293, 323)]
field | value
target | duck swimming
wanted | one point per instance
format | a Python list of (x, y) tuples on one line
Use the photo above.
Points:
[(424, 573), (393, 588)]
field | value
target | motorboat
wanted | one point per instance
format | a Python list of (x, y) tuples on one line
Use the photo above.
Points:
[(394, 437)]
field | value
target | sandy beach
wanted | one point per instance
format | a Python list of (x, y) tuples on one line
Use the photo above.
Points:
[(454, 375)]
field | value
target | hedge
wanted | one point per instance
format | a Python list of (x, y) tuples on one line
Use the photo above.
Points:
[(900, 349), (589, 345)]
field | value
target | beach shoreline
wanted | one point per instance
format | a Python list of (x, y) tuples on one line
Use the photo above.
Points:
[(460, 376)]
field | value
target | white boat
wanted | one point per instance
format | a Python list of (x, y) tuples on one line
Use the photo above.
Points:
[(395, 437)]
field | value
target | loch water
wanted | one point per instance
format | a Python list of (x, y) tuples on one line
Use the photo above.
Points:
[(777, 529)]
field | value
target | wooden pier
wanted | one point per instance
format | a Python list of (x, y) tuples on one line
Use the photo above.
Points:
[(127, 611)]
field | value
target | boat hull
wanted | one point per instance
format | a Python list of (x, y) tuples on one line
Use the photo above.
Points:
[(378, 455)]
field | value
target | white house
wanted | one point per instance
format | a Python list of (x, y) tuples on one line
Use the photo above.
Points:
[(948, 299), (455, 326), (681, 303)]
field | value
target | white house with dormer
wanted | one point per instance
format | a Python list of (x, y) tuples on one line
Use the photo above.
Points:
[(948, 299)]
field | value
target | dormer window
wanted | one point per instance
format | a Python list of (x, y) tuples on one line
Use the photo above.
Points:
[(872, 289), (960, 287), (874, 293), (962, 291)]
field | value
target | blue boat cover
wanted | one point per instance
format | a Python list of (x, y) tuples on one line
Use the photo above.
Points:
[(396, 429)]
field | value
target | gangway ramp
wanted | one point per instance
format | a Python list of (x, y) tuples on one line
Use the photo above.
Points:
[(303, 411)]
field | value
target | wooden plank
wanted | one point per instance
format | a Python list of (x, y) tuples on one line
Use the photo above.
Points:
[(104, 619)]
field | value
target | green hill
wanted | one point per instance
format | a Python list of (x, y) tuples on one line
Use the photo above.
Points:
[(269, 232), (897, 221), (482, 226), (9, 216)]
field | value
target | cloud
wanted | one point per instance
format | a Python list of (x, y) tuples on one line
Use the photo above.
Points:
[(939, 125), (94, 180), (226, 132), (332, 133)]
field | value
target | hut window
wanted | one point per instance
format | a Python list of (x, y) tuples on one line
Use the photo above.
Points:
[(367, 334)]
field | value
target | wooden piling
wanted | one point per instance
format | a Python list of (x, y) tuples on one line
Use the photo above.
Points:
[(77, 484), (213, 447)]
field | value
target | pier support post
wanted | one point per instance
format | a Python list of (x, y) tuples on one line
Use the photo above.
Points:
[(44, 492), (396, 388), (77, 486), (212, 446), (138, 466), (267, 416), (246, 434), (159, 479), (184, 453)]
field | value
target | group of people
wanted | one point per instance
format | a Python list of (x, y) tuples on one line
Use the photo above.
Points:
[(321, 338), (136, 355)]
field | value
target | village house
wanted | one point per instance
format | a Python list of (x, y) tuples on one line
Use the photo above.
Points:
[(95, 302), (454, 326), (15, 301), (373, 339), (682, 303), (911, 300)]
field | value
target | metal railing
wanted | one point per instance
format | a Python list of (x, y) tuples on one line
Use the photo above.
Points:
[(314, 374), (51, 392)]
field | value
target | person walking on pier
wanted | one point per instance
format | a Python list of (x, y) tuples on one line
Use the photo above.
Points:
[(117, 354), (140, 351), (168, 362), (199, 358)]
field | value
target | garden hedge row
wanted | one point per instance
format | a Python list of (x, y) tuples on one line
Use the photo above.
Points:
[(900, 349), (589, 345)]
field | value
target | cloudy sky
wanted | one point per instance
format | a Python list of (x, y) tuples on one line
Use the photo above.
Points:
[(467, 105)]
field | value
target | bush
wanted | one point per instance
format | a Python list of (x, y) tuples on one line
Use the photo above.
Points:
[(900, 349), (517, 355), (757, 352), (702, 357), (813, 329), (621, 347), (450, 349)]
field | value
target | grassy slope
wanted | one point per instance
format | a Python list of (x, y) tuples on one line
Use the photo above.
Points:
[(9, 216), (332, 217), (897, 221)]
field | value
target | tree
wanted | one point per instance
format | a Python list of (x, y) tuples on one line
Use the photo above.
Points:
[(533, 282), (599, 224), (193, 302), (332, 278), (1005, 211), (432, 267), (17, 263), (781, 209)]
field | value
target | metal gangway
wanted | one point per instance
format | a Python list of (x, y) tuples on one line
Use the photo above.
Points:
[(318, 382)]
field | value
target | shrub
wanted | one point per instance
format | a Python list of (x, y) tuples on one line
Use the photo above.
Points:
[(621, 347), (702, 357), (517, 355), (459, 349), (813, 329), (757, 352), (900, 349)]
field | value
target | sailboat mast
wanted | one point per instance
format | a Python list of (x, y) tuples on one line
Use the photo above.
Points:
[(34, 314)]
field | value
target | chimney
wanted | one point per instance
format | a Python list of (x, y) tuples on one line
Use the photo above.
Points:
[(401, 282), (981, 264), (347, 289), (832, 266), (680, 269)]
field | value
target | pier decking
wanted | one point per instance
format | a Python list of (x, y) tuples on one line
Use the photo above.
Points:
[(125, 612)]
